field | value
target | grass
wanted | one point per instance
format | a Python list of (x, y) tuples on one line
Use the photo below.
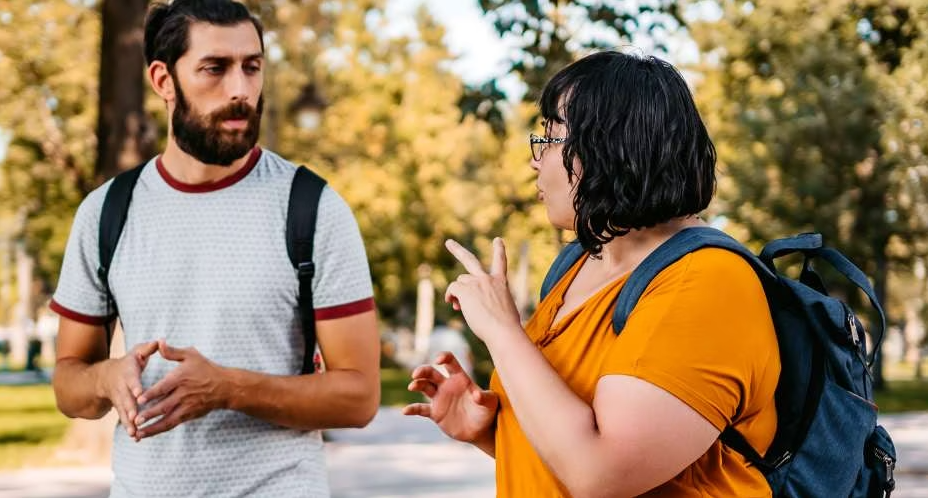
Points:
[(30, 425), (903, 396), (393, 382)]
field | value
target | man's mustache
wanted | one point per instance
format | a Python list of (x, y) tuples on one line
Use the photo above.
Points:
[(236, 110)]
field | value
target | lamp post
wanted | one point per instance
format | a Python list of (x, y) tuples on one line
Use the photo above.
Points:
[(308, 107)]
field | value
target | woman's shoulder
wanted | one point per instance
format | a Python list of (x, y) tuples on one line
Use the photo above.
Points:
[(716, 267)]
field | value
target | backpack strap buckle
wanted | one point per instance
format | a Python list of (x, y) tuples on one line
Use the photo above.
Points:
[(306, 269)]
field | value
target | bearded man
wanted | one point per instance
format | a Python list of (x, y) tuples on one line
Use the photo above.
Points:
[(210, 396)]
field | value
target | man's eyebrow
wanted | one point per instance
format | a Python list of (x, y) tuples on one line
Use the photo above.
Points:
[(226, 60)]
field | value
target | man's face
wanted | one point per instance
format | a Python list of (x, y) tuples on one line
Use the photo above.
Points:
[(216, 115)]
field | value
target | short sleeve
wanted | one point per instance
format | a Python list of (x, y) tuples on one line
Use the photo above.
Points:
[(701, 331), (342, 284), (80, 294)]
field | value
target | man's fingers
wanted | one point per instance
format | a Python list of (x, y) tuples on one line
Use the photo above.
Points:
[(423, 386), (159, 390), (135, 387), (420, 409), (170, 352), (125, 407), (470, 262), (499, 264), (450, 363), (166, 423), (144, 350), (162, 408)]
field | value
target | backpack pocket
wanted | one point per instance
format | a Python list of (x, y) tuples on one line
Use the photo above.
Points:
[(876, 477), (829, 461)]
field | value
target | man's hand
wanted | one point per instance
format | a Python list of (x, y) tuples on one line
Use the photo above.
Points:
[(121, 383), (190, 391)]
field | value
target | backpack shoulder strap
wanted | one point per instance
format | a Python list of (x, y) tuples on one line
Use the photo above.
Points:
[(682, 243), (564, 260), (112, 220), (305, 192)]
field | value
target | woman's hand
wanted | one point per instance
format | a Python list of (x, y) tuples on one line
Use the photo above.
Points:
[(458, 406), (482, 297)]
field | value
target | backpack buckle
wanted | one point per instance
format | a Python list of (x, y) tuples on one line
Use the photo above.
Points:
[(306, 269)]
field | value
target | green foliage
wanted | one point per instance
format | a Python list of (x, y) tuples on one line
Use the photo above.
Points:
[(30, 425), (393, 392), (551, 34), (394, 143), (813, 131), (48, 105), (903, 396)]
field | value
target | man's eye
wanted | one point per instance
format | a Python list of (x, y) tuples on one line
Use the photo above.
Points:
[(253, 69), (213, 69)]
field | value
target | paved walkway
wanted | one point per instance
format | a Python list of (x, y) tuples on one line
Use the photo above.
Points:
[(399, 456)]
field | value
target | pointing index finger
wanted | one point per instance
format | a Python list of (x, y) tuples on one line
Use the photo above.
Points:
[(467, 258)]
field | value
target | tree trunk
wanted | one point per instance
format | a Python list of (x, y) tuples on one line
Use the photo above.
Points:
[(125, 137)]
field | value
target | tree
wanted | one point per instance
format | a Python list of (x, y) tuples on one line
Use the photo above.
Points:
[(551, 34), (799, 98), (48, 107), (125, 136), (395, 145)]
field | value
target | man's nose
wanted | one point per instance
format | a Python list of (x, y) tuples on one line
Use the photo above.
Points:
[(237, 85)]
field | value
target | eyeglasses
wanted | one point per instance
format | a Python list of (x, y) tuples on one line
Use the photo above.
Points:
[(539, 144)]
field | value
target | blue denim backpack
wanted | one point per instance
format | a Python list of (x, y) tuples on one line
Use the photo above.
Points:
[(827, 442)]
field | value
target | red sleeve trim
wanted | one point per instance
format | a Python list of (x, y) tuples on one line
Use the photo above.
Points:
[(345, 310), (78, 317)]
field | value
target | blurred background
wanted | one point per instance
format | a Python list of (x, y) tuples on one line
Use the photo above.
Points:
[(418, 113)]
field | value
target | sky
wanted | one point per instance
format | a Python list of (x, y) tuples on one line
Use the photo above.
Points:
[(481, 53)]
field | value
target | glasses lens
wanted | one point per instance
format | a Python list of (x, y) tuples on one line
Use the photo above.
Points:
[(536, 145)]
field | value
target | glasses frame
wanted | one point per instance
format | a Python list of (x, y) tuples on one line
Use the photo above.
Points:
[(542, 144)]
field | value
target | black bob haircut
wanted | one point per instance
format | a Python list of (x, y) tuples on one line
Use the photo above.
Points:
[(644, 152), (167, 25)]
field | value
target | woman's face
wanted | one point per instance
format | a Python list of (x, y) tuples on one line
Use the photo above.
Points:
[(554, 188)]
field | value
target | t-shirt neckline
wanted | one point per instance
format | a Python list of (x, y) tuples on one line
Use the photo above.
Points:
[(201, 188)]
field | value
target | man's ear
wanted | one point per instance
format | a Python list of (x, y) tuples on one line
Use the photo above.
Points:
[(161, 80)]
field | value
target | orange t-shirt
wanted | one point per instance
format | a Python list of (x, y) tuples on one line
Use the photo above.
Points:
[(701, 331)]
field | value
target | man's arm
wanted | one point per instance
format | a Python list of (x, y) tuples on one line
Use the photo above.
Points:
[(347, 394), (87, 383), (82, 349)]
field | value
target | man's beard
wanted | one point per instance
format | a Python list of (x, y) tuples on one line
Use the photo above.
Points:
[(204, 137)]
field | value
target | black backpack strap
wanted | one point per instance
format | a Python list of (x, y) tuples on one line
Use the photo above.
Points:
[(564, 260), (112, 220), (735, 440), (305, 192)]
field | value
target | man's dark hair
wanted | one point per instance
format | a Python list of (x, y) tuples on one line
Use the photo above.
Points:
[(167, 25), (644, 152)]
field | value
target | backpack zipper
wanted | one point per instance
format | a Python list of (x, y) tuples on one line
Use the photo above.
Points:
[(890, 464), (854, 334)]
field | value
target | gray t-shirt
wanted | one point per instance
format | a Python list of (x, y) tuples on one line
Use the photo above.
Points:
[(208, 267)]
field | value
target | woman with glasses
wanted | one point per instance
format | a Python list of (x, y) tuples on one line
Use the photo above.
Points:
[(573, 408)]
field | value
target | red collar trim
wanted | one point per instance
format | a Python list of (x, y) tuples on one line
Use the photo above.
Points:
[(200, 188)]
